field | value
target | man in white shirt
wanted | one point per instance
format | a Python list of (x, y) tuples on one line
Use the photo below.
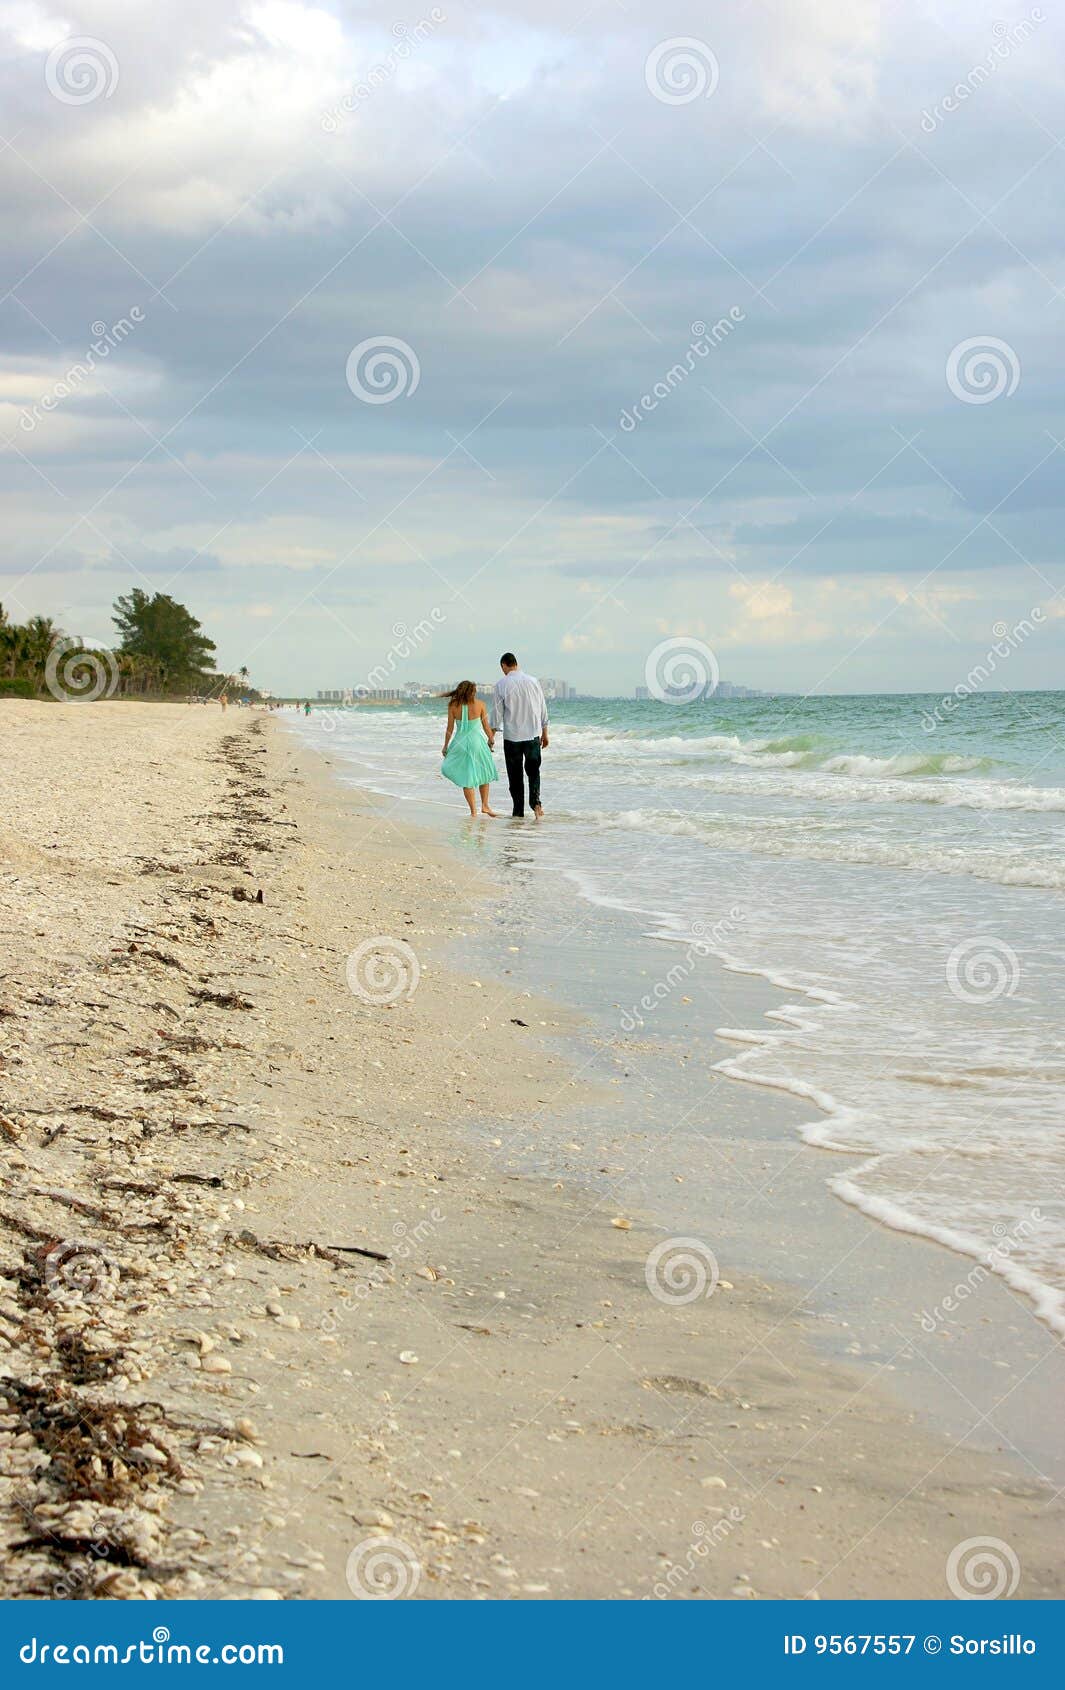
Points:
[(520, 709)]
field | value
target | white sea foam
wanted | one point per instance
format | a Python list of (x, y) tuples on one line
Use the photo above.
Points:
[(793, 838), (860, 863)]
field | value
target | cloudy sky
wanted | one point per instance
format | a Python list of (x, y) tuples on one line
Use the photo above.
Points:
[(408, 318)]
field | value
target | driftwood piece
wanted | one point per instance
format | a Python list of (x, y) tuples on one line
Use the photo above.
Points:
[(279, 1251)]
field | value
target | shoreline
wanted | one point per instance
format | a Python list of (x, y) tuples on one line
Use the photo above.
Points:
[(946, 1336), (640, 1433)]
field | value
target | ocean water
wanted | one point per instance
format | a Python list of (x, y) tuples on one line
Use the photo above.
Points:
[(898, 877)]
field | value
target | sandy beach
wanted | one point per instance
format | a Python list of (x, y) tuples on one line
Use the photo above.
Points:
[(276, 1320)]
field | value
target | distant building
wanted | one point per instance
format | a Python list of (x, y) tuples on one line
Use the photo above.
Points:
[(723, 689)]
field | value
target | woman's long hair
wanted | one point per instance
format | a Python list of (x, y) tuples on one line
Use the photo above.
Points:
[(464, 693)]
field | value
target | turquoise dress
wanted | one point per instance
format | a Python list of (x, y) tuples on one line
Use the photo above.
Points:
[(469, 762)]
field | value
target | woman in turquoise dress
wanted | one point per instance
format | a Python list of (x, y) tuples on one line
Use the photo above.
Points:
[(468, 759)]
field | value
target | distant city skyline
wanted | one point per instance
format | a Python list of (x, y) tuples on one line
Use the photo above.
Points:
[(554, 690), (428, 689)]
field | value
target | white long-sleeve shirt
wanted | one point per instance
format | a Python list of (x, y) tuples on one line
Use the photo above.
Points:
[(519, 706)]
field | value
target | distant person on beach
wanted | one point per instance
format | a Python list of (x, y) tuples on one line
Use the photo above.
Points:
[(468, 760), (520, 709)]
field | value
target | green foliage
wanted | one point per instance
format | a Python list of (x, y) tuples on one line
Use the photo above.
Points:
[(162, 650), (162, 631)]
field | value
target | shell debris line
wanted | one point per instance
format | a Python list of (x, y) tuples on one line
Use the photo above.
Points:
[(123, 1161)]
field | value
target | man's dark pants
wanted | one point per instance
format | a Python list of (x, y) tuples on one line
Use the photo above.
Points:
[(522, 758)]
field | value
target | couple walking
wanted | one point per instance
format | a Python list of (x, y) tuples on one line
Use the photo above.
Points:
[(520, 710)]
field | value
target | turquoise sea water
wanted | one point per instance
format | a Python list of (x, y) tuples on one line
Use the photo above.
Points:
[(894, 867)]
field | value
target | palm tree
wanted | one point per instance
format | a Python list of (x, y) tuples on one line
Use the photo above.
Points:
[(12, 648), (40, 635)]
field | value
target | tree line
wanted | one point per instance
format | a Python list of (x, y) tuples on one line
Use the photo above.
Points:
[(161, 649)]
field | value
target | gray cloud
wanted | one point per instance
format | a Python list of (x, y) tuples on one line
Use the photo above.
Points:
[(522, 159)]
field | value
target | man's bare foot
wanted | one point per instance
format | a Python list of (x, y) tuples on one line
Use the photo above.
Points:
[(485, 811), (538, 812)]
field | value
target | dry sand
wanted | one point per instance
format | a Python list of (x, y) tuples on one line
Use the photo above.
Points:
[(204, 1397)]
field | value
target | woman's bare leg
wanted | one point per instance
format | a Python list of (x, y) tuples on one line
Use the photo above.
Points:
[(470, 795), (486, 808)]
